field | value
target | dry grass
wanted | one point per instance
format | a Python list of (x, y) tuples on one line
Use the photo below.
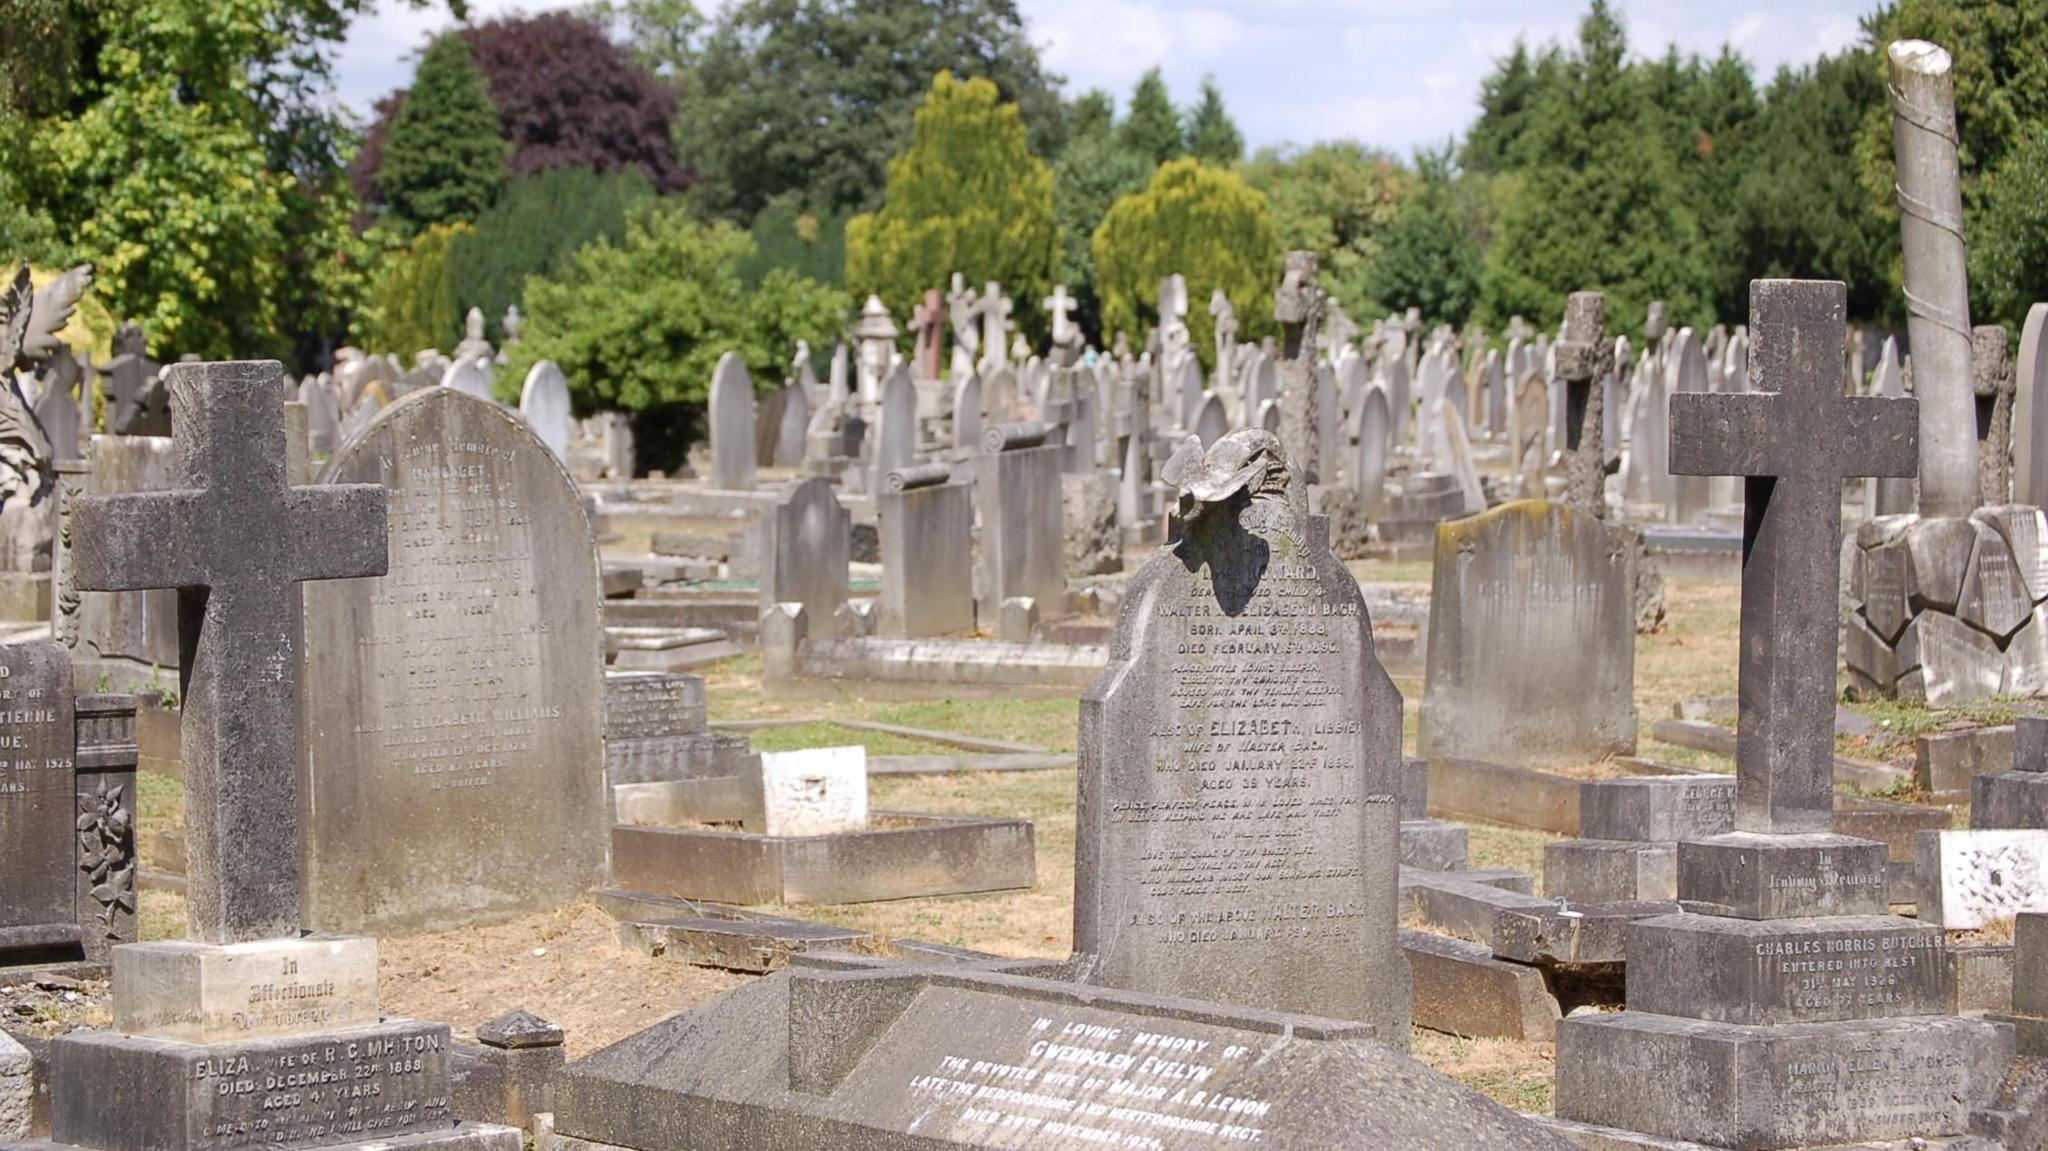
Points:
[(1512, 1072)]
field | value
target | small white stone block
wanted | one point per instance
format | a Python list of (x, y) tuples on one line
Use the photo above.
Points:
[(818, 791), (1969, 879), (210, 993)]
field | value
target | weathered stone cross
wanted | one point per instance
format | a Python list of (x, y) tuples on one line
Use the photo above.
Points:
[(235, 539), (1796, 437), (1585, 357)]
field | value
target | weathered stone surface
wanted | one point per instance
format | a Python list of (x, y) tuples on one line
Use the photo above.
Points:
[(1750, 876), (927, 538), (731, 420), (939, 1057), (1658, 807), (1610, 870), (388, 1079), (1461, 989), (1938, 552), (1969, 879), (1531, 640), (1885, 576), (204, 993), (1435, 844), (804, 554), (17, 1089), (2009, 799), (1957, 664), (459, 776), (817, 791), (1023, 529), (1786, 970), (1994, 598), (1945, 762), (236, 538), (2024, 529), (1093, 544), (2030, 976), (1570, 937), (1796, 1085), (39, 908), (544, 404), (1243, 697), (908, 856)]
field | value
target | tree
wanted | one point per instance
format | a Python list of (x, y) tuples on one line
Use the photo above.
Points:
[(444, 159), (968, 196), (639, 324), (1152, 128), (1092, 174), (663, 34), (2009, 248), (533, 230), (1335, 200), (416, 306), (1427, 258), (815, 96), (569, 98), (187, 149), (1600, 206), (1212, 136), (1093, 113), (807, 241), (1204, 223), (1800, 211), (1506, 99)]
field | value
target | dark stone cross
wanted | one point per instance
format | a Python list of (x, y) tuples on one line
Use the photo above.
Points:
[(1795, 437), (235, 538), (1585, 358)]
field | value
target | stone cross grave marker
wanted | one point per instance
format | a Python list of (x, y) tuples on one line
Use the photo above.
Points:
[(1585, 357), (1794, 437), (1298, 306), (993, 310), (927, 327), (235, 539), (1066, 334)]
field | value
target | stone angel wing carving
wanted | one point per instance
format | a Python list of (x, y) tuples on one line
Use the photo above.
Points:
[(16, 301), (52, 310)]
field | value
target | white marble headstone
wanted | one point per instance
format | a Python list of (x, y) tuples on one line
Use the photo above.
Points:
[(817, 791)]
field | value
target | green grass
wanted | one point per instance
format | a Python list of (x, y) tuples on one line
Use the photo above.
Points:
[(159, 801), (807, 735), (1381, 571), (1511, 847)]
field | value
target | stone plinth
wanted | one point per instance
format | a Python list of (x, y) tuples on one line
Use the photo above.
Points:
[(205, 993), (1950, 610)]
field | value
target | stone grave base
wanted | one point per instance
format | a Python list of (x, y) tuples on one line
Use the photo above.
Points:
[(1461, 989), (1796, 1085), (1946, 611), (318, 1088), (924, 668), (902, 856), (2010, 799), (666, 649), (1610, 870), (1434, 844), (885, 1057), (463, 1137)]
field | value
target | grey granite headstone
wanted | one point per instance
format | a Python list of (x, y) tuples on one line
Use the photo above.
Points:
[(967, 412), (896, 437), (805, 549), (1238, 813), (323, 416), (236, 540), (454, 754), (38, 856), (927, 536), (1023, 525), (1784, 1007), (2030, 411), (1374, 429), (544, 402), (1212, 421), (788, 448), (473, 376), (732, 425), (2017, 798), (1531, 639)]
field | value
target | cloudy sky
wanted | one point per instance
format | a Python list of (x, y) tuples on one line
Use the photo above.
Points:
[(1395, 73)]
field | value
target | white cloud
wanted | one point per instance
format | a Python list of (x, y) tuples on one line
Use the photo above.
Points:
[(1393, 73)]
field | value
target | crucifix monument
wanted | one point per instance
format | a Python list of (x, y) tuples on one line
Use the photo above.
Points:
[(1785, 1006)]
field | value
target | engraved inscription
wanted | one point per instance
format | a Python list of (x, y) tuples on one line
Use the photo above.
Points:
[(323, 1091), (1855, 975), (38, 801)]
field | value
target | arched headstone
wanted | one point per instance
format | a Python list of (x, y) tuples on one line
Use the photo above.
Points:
[(472, 376), (967, 412), (544, 401), (732, 425), (454, 749), (1374, 429), (1211, 422)]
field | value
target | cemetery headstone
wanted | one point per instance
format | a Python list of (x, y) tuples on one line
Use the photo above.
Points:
[(458, 776), (2019, 797), (544, 402), (732, 425), (967, 411), (787, 450), (38, 805), (472, 376), (1993, 385), (1585, 358), (896, 439), (1839, 1033), (1531, 653), (1018, 493), (1298, 308), (2030, 411), (1374, 433), (926, 527), (1242, 700), (323, 416), (805, 549)]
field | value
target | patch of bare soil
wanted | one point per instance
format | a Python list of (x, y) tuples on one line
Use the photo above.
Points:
[(564, 965)]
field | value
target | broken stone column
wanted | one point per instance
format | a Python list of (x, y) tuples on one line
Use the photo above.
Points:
[(1937, 284)]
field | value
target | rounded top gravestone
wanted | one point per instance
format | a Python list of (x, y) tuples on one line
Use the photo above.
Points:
[(544, 401), (454, 750), (1238, 819)]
